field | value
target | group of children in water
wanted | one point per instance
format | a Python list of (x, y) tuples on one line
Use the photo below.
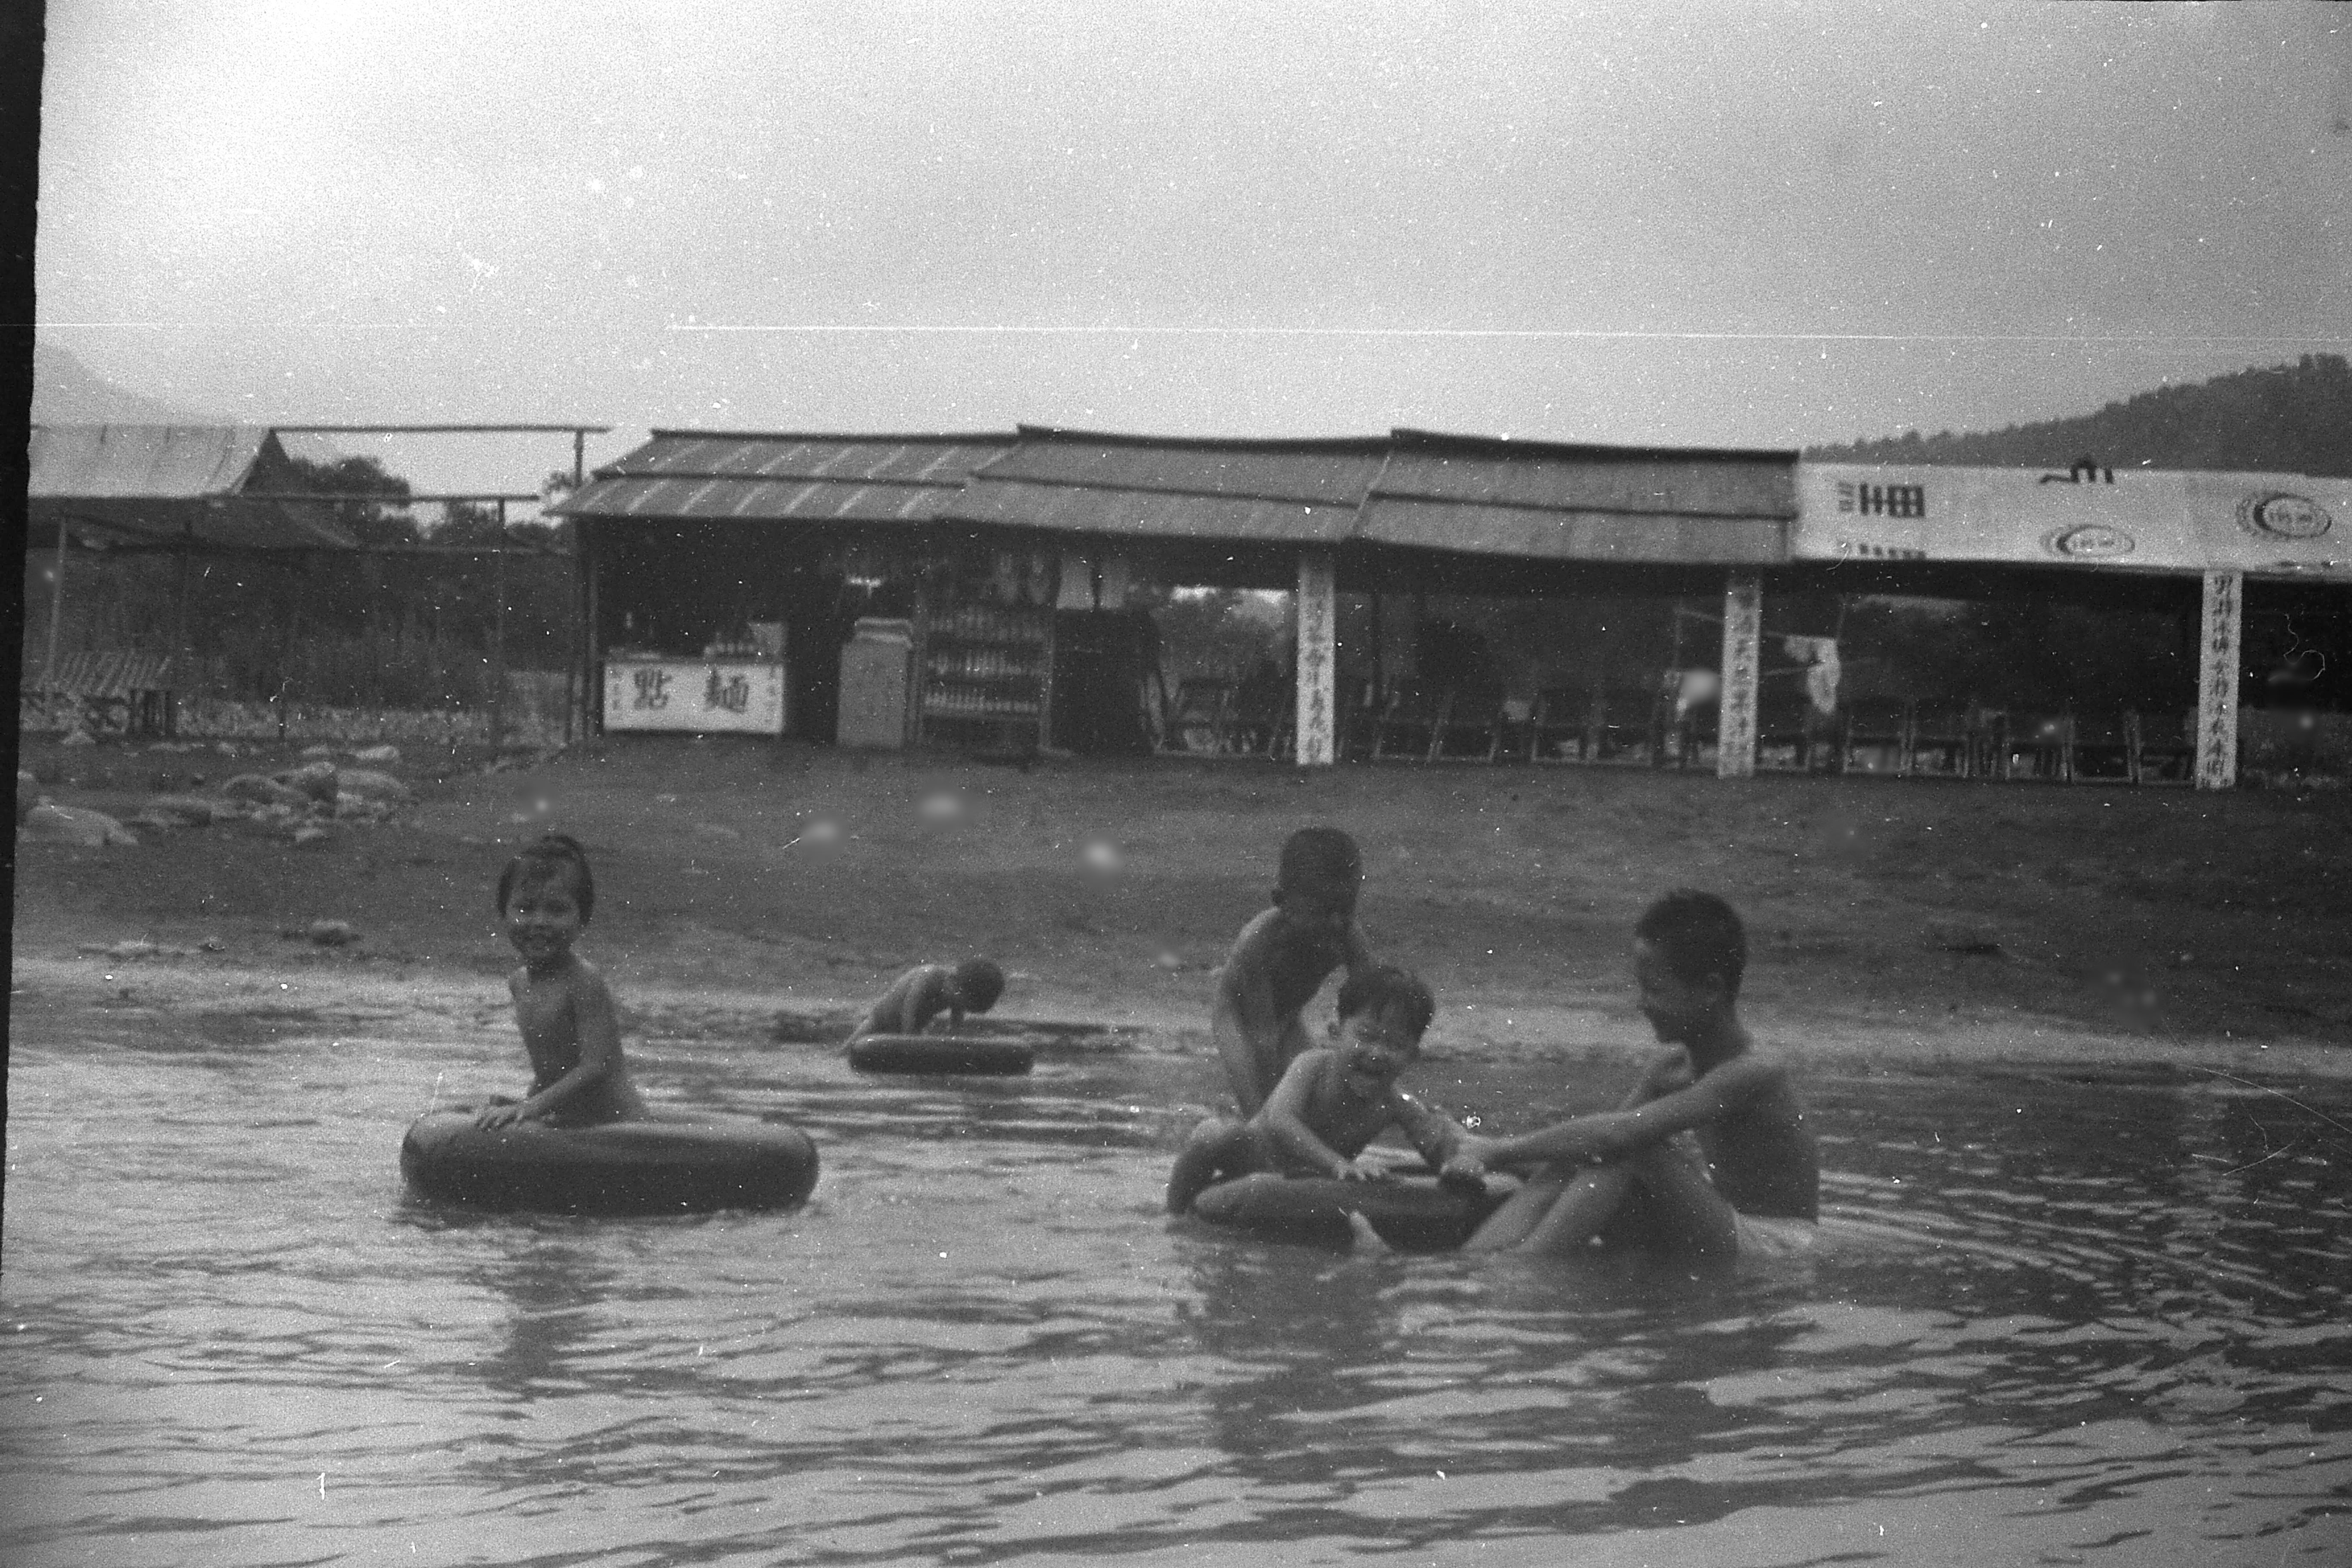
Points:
[(1708, 1155)]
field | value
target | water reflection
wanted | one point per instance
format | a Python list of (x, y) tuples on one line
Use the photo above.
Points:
[(2112, 1297), (554, 1292)]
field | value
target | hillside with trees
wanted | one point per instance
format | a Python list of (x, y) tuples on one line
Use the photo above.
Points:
[(2291, 418)]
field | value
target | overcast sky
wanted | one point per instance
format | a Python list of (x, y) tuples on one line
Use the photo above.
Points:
[(1728, 225)]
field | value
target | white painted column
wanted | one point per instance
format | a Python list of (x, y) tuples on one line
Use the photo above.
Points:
[(2217, 681), (1318, 658), (1743, 639)]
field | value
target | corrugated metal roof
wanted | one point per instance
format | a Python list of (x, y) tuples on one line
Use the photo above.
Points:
[(1086, 482), (837, 479), (1554, 501), (1156, 514), (1410, 488), (149, 483), (101, 675)]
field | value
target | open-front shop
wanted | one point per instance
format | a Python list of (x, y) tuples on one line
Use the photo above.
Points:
[(1429, 599), (2138, 626)]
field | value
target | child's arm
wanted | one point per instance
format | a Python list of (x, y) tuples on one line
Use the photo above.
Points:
[(1439, 1139), (1612, 1135), (598, 1031), (1283, 1119)]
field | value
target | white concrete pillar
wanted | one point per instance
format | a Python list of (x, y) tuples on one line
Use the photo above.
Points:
[(1743, 639), (2216, 681), (1318, 658)]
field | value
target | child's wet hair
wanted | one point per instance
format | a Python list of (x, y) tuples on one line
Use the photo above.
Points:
[(1698, 935), (980, 983), (1319, 855), (551, 855), (1384, 986)]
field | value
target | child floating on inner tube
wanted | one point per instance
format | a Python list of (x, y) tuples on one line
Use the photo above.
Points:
[(546, 896), (1621, 1176), (924, 992), (1332, 1102), (1281, 958)]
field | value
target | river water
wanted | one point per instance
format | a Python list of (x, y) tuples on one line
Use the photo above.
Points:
[(2055, 1316)]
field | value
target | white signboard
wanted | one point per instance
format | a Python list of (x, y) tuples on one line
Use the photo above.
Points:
[(2265, 524), (742, 696)]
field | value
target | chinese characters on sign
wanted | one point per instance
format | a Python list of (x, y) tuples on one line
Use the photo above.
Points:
[(1743, 637), (2217, 679), (1881, 501), (1318, 678), (692, 696), (733, 694)]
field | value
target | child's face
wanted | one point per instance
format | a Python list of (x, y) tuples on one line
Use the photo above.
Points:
[(543, 917), (1323, 903), (1678, 1008), (1374, 1047)]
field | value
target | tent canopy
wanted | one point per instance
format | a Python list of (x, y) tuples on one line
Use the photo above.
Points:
[(177, 485)]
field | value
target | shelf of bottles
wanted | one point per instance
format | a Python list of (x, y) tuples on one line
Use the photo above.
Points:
[(986, 668)]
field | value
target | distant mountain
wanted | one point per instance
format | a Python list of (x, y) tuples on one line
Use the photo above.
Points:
[(67, 392), (2295, 418)]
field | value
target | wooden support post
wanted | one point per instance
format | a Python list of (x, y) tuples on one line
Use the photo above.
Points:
[(57, 613), (1743, 637), (2216, 681), (591, 669), (576, 674), (1319, 664), (498, 638)]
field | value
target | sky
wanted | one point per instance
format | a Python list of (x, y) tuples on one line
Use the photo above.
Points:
[(1709, 225)]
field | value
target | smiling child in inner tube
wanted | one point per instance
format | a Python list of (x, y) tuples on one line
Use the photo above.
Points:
[(578, 1079), (1333, 1101)]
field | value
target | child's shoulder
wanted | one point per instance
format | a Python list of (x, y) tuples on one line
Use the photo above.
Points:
[(1312, 1065), (1259, 933), (1755, 1065), (578, 977)]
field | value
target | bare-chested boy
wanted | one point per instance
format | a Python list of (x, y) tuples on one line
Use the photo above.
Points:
[(546, 896), (1332, 1102), (926, 991), (1281, 958), (1619, 1174)]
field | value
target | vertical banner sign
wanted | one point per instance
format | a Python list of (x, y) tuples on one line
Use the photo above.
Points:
[(2217, 681), (1743, 638), (1318, 663)]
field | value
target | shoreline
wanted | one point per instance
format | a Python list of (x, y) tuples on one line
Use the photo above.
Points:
[(48, 988)]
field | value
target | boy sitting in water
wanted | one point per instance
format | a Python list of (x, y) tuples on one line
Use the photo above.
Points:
[(924, 992), (577, 1077), (1332, 1102), (1281, 958), (1619, 1172)]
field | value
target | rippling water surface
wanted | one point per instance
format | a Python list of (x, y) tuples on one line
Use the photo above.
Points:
[(2056, 1316)]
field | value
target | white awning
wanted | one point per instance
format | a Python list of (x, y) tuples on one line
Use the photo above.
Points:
[(2182, 523)]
